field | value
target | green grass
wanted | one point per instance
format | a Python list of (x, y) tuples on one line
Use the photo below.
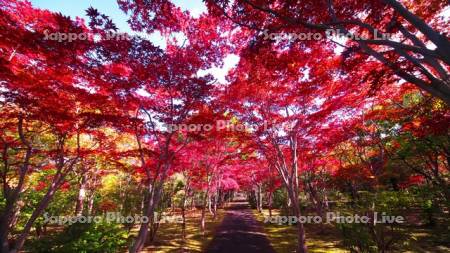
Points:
[(325, 238), (169, 237), (321, 238), (425, 239)]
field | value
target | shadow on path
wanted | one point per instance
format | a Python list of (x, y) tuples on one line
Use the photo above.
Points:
[(240, 232)]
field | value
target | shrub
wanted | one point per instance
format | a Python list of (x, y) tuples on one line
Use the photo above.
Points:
[(101, 237)]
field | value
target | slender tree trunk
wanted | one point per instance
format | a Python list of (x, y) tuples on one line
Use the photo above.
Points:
[(79, 208), (12, 195), (183, 216), (216, 199), (90, 207), (153, 200), (203, 216), (183, 224), (91, 196), (270, 203), (260, 198), (316, 199), (17, 211), (37, 212), (143, 230), (155, 192), (289, 205), (210, 205), (183, 210), (256, 197), (301, 245)]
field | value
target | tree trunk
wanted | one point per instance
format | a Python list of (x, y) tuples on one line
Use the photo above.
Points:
[(155, 192), (37, 212), (91, 196), (183, 211), (289, 206), (216, 199), (301, 245), (210, 205), (183, 216), (12, 195), (202, 219), (192, 203), (270, 203), (8, 218), (260, 199), (143, 230), (441, 42), (79, 208)]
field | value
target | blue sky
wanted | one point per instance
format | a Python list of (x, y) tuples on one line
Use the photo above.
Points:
[(111, 8), (108, 7), (77, 8)]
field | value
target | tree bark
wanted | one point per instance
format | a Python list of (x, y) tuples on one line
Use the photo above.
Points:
[(155, 191), (301, 237), (79, 208), (203, 215), (270, 203), (12, 195)]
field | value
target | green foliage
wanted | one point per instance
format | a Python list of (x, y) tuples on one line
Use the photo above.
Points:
[(279, 198), (101, 237), (122, 190), (378, 237), (411, 99), (356, 238), (61, 204), (427, 198), (393, 202), (174, 191)]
